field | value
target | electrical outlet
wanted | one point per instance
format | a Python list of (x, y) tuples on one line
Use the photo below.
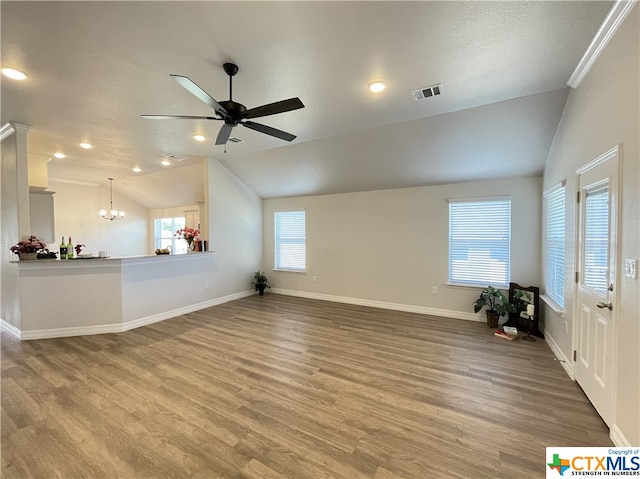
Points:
[(206, 285), (434, 290), (313, 278), (631, 268)]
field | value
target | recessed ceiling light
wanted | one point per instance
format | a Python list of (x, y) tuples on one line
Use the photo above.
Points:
[(166, 162), (137, 169), (377, 86), (59, 155), (199, 137), (85, 145), (14, 74)]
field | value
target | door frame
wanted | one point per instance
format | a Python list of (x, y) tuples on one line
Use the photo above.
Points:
[(611, 155)]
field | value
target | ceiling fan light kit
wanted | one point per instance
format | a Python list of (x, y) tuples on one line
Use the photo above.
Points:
[(231, 112)]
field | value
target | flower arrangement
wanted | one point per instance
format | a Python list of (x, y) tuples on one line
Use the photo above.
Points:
[(29, 244), (189, 234)]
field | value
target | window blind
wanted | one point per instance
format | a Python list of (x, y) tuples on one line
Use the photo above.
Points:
[(554, 244), (596, 238), (290, 240), (480, 242)]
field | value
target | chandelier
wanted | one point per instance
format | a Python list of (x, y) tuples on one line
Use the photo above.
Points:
[(112, 214)]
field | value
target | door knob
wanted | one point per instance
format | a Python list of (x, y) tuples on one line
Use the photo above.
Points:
[(602, 305)]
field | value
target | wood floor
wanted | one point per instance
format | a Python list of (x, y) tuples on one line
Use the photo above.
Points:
[(280, 387)]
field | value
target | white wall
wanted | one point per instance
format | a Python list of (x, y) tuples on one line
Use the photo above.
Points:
[(9, 294), (235, 230), (76, 215), (601, 113), (391, 246)]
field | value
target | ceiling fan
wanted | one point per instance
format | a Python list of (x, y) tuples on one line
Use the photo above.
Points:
[(231, 112)]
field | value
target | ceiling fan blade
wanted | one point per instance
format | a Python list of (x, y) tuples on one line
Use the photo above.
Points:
[(224, 134), (273, 108), (199, 93), (283, 135), (179, 117)]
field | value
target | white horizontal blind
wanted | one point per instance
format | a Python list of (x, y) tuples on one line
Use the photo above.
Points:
[(480, 242), (554, 244), (596, 238), (290, 240)]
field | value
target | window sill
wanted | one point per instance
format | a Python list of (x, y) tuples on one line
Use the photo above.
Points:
[(552, 304), (290, 270)]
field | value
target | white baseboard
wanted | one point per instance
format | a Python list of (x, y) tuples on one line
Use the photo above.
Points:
[(10, 327), (72, 331), (618, 438), (444, 313), (121, 327), (565, 362), (154, 318)]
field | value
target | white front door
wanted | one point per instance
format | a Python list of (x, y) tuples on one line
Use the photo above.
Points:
[(596, 288)]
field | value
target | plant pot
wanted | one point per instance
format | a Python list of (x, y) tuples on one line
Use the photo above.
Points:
[(261, 288), (492, 319), (27, 256)]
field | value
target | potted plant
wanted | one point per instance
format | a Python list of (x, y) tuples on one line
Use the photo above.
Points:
[(497, 305), (260, 282), (27, 248)]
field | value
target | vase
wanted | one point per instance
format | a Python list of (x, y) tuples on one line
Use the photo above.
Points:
[(190, 246), (27, 256)]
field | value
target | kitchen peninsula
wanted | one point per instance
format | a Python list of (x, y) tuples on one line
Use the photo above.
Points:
[(107, 295)]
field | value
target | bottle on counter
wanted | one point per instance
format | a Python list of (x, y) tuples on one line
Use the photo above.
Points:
[(70, 249), (63, 249)]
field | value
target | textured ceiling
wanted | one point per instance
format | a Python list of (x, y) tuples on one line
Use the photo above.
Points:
[(96, 66)]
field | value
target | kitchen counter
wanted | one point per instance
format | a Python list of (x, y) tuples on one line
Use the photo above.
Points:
[(106, 295)]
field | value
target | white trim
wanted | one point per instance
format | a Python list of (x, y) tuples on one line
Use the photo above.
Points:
[(72, 331), (609, 26), (606, 156), (409, 308), (10, 327), (154, 318), (565, 362), (6, 131), (618, 438), (126, 326)]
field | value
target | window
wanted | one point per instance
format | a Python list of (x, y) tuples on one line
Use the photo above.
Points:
[(165, 234), (554, 199), (596, 240), (480, 241), (290, 241)]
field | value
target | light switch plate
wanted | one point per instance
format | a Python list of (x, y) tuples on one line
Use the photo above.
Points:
[(631, 268)]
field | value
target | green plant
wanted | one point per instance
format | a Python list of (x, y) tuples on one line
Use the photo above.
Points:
[(260, 280), (495, 300)]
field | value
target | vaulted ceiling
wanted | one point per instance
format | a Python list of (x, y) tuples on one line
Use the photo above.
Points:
[(95, 67)]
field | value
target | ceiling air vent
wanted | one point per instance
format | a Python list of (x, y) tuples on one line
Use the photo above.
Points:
[(233, 139), (174, 157), (426, 92)]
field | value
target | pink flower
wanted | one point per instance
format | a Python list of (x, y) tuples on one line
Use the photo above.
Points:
[(29, 244), (189, 234)]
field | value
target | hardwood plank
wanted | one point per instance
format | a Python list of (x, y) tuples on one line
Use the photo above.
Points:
[(281, 387)]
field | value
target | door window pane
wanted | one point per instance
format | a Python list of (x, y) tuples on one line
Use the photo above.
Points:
[(596, 237)]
